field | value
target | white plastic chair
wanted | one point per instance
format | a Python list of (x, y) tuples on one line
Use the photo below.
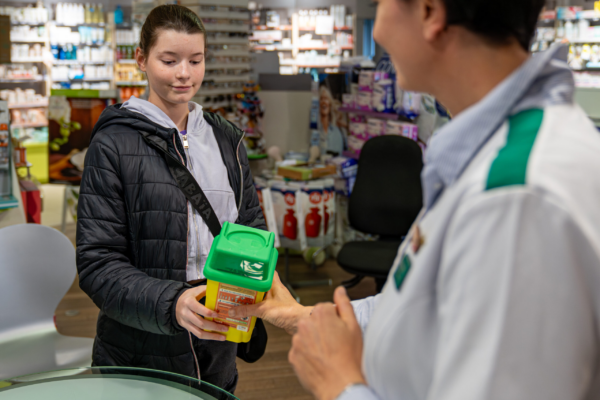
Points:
[(37, 268)]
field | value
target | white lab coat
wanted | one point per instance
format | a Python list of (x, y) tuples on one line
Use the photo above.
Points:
[(502, 300)]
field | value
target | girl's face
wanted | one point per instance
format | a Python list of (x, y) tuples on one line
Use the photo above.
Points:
[(175, 66), (402, 28)]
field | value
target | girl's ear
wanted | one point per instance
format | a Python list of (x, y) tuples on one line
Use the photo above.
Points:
[(141, 60)]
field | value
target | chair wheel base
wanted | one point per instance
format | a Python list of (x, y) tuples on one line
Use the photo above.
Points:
[(350, 283)]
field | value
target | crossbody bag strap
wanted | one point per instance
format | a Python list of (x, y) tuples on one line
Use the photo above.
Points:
[(191, 189)]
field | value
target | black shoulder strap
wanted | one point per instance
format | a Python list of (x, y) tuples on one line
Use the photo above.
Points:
[(191, 189), (193, 192)]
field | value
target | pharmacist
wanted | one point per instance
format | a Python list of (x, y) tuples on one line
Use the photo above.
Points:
[(496, 292)]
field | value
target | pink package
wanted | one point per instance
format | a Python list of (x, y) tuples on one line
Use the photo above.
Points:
[(365, 80), (349, 100), (356, 117), (376, 127), (359, 130), (355, 144), (380, 75), (394, 128), (411, 131), (363, 101)]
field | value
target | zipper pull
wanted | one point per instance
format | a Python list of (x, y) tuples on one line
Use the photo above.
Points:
[(185, 142)]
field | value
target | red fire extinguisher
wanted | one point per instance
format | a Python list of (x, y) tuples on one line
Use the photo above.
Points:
[(313, 223), (326, 220), (290, 225)]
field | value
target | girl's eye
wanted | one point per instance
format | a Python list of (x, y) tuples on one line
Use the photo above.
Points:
[(196, 62), (167, 62)]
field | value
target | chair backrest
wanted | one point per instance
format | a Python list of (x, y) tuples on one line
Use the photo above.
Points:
[(387, 195), (37, 268)]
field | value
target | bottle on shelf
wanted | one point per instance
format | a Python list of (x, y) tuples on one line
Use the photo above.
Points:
[(118, 15), (87, 14)]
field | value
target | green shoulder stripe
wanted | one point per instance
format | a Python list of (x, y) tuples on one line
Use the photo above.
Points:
[(510, 166)]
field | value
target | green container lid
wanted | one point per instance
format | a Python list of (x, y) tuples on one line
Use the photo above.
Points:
[(243, 257)]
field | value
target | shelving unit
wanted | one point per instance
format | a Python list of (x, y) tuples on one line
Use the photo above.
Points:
[(290, 41)]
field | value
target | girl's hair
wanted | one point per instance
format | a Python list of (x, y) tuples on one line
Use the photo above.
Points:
[(169, 17)]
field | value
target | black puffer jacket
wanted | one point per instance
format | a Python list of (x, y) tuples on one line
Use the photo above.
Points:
[(132, 241)]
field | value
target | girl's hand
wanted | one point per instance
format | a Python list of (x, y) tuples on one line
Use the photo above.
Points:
[(189, 313), (278, 308)]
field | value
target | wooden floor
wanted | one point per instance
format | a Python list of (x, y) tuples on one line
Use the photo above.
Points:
[(270, 378)]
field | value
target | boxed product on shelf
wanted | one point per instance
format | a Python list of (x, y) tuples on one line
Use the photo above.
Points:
[(20, 71), (346, 167), (405, 129), (364, 101), (383, 96), (312, 197), (355, 144), (20, 96), (26, 15), (27, 33), (376, 127), (359, 130), (366, 79), (349, 100)]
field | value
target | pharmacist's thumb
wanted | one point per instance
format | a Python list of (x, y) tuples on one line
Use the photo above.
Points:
[(251, 310), (344, 307)]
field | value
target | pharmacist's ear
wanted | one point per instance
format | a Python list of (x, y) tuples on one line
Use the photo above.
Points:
[(140, 59), (434, 21)]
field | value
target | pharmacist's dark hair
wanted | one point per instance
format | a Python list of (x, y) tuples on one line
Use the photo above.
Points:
[(497, 20), (169, 17)]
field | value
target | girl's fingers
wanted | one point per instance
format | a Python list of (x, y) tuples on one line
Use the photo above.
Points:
[(199, 309), (200, 334), (204, 324)]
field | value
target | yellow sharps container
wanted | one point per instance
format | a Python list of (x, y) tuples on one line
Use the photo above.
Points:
[(239, 269)]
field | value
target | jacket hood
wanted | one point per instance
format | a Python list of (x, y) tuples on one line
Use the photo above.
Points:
[(117, 115)]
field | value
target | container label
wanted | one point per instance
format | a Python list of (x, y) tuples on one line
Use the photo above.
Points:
[(230, 296)]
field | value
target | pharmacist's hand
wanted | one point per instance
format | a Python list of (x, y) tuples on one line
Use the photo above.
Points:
[(189, 313), (327, 349), (278, 308)]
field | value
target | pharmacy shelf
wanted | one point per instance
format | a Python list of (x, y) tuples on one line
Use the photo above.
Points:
[(30, 125), (226, 28), (84, 79), (582, 41), (221, 14), (126, 61), (323, 48), (226, 78), (41, 40), (212, 66), (230, 53), (212, 105), (341, 28), (132, 83), (220, 3), (93, 25), (29, 105), (27, 60), (226, 40), (24, 80), (76, 62), (300, 65), (27, 24), (375, 114), (267, 47), (272, 28), (216, 92)]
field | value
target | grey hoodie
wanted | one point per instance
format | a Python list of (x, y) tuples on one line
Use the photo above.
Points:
[(206, 164)]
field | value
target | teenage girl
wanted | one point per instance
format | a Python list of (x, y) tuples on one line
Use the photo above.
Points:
[(141, 246)]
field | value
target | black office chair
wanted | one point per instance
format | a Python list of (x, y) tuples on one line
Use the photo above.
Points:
[(385, 201)]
